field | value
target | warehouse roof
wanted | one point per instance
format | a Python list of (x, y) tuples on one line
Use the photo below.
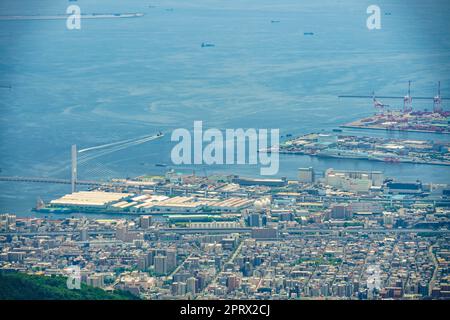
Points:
[(90, 198)]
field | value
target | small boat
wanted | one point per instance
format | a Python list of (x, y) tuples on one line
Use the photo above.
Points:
[(161, 165), (308, 33), (205, 44)]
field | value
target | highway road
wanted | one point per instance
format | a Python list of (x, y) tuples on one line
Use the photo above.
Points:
[(290, 231)]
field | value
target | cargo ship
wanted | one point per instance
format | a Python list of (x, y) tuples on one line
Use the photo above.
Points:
[(343, 154), (388, 157)]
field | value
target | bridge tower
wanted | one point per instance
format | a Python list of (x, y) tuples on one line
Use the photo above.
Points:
[(437, 100), (407, 100), (74, 167)]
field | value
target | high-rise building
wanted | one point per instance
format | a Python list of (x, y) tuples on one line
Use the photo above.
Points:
[(340, 211), (150, 257), (84, 234), (145, 222), (306, 175), (14, 256), (232, 282), (174, 288), (171, 255), (121, 232), (181, 288), (254, 219), (388, 219), (7, 221), (143, 263), (160, 264), (178, 288), (191, 285)]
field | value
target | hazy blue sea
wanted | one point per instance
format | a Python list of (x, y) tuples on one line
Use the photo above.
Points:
[(122, 78)]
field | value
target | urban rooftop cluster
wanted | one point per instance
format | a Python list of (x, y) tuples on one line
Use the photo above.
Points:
[(342, 234)]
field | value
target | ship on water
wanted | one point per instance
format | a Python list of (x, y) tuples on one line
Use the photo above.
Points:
[(389, 157), (161, 165), (343, 154)]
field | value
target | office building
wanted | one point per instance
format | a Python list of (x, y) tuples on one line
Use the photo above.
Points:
[(160, 264), (306, 175)]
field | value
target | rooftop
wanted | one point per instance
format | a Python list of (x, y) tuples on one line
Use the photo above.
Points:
[(90, 198)]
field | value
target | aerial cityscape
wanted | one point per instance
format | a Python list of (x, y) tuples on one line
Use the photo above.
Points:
[(301, 183), (212, 237)]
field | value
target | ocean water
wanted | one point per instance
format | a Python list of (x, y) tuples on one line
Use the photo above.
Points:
[(117, 79)]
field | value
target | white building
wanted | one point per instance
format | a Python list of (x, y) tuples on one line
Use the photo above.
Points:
[(356, 181)]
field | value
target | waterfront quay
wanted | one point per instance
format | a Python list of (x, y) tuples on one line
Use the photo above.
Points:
[(334, 145), (412, 121)]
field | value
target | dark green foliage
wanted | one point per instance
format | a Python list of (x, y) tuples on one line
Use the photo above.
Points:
[(20, 286)]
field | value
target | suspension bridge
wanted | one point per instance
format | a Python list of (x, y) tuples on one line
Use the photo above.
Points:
[(85, 155), (81, 157)]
